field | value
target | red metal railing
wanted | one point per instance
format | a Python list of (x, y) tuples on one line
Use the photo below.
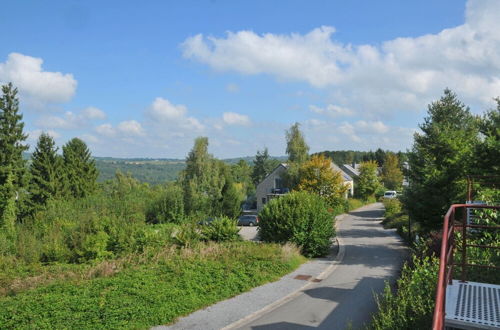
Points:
[(446, 264)]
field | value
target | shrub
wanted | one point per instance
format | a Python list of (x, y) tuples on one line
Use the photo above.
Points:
[(187, 235), (392, 207), (221, 229), (169, 207), (412, 305), (301, 218)]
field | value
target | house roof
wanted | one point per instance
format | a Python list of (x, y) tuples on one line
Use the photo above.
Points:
[(351, 169), (345, 176)]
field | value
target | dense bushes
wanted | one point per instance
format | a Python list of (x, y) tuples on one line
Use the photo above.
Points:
[(221, 229), (411, 307), (301, 218)]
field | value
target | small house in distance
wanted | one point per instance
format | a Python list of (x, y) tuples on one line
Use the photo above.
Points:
[(273, 185)]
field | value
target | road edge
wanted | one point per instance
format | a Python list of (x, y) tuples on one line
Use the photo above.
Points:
[(327, 272)]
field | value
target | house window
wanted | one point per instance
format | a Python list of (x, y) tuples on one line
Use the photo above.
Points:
[(277, 183), (263, 200)]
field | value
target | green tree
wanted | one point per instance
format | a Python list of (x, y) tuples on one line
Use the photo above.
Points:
[(296, 146), (318, 177), (80, 169), (9, 214), (392, 177), (232, 197), (262, 166), (47, 172), (11, 145), (201, 180), (487, 151), (380, 156), (368, 181), (440, 160)]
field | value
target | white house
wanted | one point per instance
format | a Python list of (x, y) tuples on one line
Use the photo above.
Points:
[(272, 186)]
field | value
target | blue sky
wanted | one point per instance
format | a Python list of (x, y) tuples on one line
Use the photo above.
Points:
[(144, 79)]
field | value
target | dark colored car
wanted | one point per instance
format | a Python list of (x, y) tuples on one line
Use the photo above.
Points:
[(248, 220)]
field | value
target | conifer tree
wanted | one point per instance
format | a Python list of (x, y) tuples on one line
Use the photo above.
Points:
[(79, 167), (11, 144), (47, 173), (9, 214), (262, 166), (440, 160)]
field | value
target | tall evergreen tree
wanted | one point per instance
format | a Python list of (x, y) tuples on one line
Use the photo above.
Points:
[(11, 144), (487, 151), (440, 160), (296, 146), (47, 172), (79, 167), (261, 166)]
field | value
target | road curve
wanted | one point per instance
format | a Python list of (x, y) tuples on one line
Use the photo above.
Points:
[(345, 299)]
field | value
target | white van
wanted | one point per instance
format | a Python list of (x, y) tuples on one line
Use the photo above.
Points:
[(390, 194)]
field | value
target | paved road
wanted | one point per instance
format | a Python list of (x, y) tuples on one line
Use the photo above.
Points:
[(345, 298)]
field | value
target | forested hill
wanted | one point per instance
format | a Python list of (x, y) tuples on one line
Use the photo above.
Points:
[(154, 171)]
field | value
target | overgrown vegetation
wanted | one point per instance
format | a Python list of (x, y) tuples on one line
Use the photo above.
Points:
[(301, 218), (148, 289)]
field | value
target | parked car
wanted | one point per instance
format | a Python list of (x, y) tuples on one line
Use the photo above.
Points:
[(390, 194), (248, 220)]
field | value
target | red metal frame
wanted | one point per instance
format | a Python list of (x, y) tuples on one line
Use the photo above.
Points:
[(446, 258)]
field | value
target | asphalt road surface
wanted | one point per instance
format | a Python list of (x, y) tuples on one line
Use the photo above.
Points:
[(345, 299)]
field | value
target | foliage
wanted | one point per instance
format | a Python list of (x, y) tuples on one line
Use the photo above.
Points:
[(368, 181), (296, 146), (47, 176), (168, 207), (183, 280), (392, 176), (440, 160), (318, 177), (80, 169), (301, 218), (221, 229), (150, 171), (487, 150), (262, 166), (412, 305), (11, 145)]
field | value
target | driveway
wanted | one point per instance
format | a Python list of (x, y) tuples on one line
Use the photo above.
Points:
[(249, 233), (345, 299)]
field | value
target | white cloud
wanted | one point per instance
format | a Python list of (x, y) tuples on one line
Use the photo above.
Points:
[(35, 134), (162, 109), (93, 113), (106, 130), (332, 110), (371, 127), (27, 74), (233, 118), (71, 120), (400, 74), (131, 127)]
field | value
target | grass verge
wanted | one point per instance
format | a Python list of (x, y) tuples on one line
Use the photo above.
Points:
[(155, 289)]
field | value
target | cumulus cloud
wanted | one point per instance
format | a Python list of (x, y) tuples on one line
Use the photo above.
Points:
[(399, 74), (71, 120), (39, 86), (131, 127), (162, 109), (233, 118), (332, 110)]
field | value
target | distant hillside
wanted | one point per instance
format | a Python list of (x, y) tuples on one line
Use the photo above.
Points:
[(151, 170)]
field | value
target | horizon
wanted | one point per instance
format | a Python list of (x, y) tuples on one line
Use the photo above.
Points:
[(144, 81)]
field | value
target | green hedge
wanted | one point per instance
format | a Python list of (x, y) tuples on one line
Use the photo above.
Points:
[(301, 218)]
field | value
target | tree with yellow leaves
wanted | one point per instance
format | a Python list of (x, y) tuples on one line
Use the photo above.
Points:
[(319, 177)]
